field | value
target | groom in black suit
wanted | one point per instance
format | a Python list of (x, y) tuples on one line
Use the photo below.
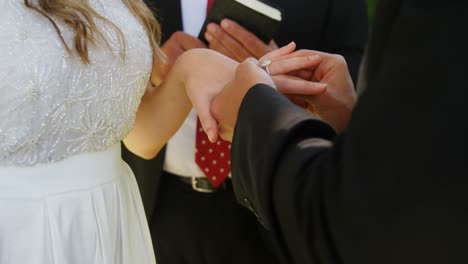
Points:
[(180, 216), (392, 188)]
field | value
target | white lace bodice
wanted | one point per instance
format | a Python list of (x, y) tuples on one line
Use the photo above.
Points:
[(51, 104)]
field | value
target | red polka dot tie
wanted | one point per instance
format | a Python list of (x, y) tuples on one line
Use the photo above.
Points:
[(212, 158)]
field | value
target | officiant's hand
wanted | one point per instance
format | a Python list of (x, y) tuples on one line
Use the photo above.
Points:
[(178, 43), (234, 41)]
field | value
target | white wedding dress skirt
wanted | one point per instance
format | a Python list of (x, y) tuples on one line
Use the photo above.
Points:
[(85, 209)]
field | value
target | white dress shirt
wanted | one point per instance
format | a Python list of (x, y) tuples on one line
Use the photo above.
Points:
[(180, 153)]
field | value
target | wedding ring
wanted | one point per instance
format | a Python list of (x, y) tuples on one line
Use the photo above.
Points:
[(264, 66)]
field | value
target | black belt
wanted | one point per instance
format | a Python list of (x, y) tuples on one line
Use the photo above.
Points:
[(201, 184)]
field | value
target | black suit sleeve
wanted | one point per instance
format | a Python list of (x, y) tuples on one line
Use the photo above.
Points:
[(393, 188), (272, 149)]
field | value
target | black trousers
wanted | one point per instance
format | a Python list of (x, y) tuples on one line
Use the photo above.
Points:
[(198, 228)]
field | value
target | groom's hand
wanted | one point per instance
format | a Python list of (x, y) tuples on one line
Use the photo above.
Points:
[(336, 103), (226, 104), (178, 43)]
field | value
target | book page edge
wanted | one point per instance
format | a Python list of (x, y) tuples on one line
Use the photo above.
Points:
[(262, 8)]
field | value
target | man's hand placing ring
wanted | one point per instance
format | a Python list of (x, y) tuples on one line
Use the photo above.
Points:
[(264, 65)]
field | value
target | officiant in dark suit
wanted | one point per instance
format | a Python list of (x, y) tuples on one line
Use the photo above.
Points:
[(191, 220), (388, 188)]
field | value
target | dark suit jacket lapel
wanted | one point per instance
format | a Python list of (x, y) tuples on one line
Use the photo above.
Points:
[(170, 10), (380, 33)]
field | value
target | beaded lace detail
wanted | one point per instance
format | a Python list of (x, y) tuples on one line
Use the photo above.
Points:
[(52, 105)]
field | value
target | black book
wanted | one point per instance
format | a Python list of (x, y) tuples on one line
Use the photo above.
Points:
[(256, 16)]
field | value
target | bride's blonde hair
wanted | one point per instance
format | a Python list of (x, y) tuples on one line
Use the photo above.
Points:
[(81, 17)]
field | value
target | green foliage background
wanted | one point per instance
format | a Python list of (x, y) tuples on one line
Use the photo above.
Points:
[(371, 8)]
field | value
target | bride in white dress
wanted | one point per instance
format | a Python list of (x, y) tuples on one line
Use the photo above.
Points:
[(72, 76)]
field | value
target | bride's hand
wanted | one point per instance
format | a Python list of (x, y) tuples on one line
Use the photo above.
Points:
[(290, 71), (204, 73)]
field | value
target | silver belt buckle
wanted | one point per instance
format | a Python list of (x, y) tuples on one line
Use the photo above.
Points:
[(198, 189)]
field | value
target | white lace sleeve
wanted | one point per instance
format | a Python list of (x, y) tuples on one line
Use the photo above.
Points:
[(52, 105)]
